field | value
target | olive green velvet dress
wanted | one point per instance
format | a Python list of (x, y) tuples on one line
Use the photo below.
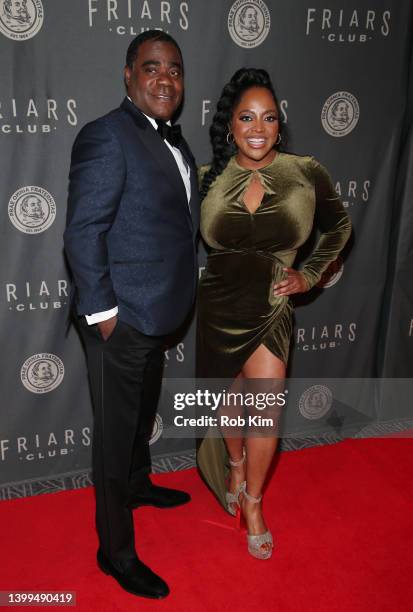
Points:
[(237, 310)]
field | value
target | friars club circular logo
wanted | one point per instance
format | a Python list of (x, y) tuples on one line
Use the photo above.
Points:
[(32, 209), (315, 402), (42, 373), (249, 22), (332, 275), (157, 429), (20, 19), (340, 114)]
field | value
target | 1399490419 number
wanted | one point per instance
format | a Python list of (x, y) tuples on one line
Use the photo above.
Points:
[(34, 598)]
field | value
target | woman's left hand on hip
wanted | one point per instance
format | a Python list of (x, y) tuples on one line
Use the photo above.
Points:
[(294, 283)]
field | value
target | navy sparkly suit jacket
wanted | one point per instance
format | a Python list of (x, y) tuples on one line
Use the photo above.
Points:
[(131, 237)]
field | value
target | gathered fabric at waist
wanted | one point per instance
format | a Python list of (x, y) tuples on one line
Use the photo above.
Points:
[(246, 251), (243, 276)]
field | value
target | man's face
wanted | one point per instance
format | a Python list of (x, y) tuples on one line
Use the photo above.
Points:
[(341, 111), (250, 18), (44, 371), (155, 83), (33, 207), (18, 8)]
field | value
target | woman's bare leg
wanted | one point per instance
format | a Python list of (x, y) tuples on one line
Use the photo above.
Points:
[(260, 450)]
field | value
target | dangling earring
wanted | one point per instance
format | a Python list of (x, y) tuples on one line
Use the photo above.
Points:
[(230, 135), (279, 139)]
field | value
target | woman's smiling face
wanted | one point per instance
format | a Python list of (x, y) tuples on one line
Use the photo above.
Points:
[(255, 127)]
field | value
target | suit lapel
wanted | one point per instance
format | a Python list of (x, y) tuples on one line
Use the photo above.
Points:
[(194, 200), (158, 149)]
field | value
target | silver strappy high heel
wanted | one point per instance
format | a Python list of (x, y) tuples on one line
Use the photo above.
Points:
[(255, 542), (233, 498)]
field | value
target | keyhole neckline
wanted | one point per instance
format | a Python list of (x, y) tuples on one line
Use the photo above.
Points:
[(255, 177)]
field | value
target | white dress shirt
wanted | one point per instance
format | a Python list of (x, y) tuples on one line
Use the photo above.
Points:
[(184, 170)]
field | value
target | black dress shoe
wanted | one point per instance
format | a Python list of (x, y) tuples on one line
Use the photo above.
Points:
[(160, 497), (135, 577)]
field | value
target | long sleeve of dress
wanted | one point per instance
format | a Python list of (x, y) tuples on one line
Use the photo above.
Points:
[(333, 222)]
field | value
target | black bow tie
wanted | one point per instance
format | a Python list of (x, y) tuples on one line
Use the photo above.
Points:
[(171, 133)]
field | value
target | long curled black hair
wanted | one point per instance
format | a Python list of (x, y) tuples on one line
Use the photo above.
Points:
[(243, 79)]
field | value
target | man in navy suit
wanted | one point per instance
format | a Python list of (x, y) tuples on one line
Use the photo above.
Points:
[(132, 223)]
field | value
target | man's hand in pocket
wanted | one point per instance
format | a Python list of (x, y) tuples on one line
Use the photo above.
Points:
[(106, 327)]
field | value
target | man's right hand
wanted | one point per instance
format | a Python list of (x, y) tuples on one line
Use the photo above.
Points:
[(106, 327)]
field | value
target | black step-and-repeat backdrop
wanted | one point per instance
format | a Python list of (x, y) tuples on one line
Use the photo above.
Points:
[(342, 74)]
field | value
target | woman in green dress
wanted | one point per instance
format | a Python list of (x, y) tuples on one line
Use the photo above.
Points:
[(259, 206)]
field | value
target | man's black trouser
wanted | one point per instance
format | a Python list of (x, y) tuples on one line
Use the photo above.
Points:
[(125, 374)]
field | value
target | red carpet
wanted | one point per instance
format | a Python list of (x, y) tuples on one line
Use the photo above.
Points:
[(342, 516)]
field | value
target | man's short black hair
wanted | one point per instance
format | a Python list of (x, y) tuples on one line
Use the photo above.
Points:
[(133, 48)]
